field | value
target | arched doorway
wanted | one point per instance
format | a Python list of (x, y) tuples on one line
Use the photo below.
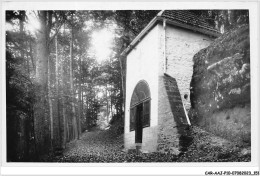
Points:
[(140, 110)]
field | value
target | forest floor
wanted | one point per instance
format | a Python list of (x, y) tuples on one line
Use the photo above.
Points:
[(107, 146)]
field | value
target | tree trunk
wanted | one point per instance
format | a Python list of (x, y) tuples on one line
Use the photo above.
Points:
[(64, 141), (80, 98), (48, 29), (28, 65), (42, 52), (57, 90), (50, 103), (79, 110), (21, 20), (34, 145), (26, 122), (107, 103), (63, 109), (31, 56), (111, 105), (122, 69), (87, 110), (74, 120), (41, 107)]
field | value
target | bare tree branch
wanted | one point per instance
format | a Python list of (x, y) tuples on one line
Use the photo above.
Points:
[(61, 22)]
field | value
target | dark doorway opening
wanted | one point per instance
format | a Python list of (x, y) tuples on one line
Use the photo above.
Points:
[(140, 110), (139, 125)]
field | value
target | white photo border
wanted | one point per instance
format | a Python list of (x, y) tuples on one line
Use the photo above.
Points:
[(139, 168)]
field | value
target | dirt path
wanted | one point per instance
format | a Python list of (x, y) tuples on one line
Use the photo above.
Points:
[(107, 146), (96, 146)]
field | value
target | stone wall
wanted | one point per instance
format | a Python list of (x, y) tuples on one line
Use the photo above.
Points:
[(181, 46), (173, 125)]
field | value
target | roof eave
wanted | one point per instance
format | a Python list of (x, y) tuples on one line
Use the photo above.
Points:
[(195, 28)]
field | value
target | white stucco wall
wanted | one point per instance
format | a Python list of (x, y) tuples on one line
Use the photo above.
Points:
[(181, 46), (142, 64)]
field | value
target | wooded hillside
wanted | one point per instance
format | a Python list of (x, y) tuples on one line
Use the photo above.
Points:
[(56, 86)]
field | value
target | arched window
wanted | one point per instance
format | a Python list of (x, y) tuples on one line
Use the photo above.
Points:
[(140, 106)]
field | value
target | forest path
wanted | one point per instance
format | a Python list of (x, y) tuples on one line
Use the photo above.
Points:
[(107, 146), (94, 146)]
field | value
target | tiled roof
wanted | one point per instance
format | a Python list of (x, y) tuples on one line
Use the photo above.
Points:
[(181, 18), (188, 18)]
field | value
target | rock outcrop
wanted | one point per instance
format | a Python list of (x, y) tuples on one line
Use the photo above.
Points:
[(220, 86)]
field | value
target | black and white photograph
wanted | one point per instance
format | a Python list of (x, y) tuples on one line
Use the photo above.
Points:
[(130, 86)]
